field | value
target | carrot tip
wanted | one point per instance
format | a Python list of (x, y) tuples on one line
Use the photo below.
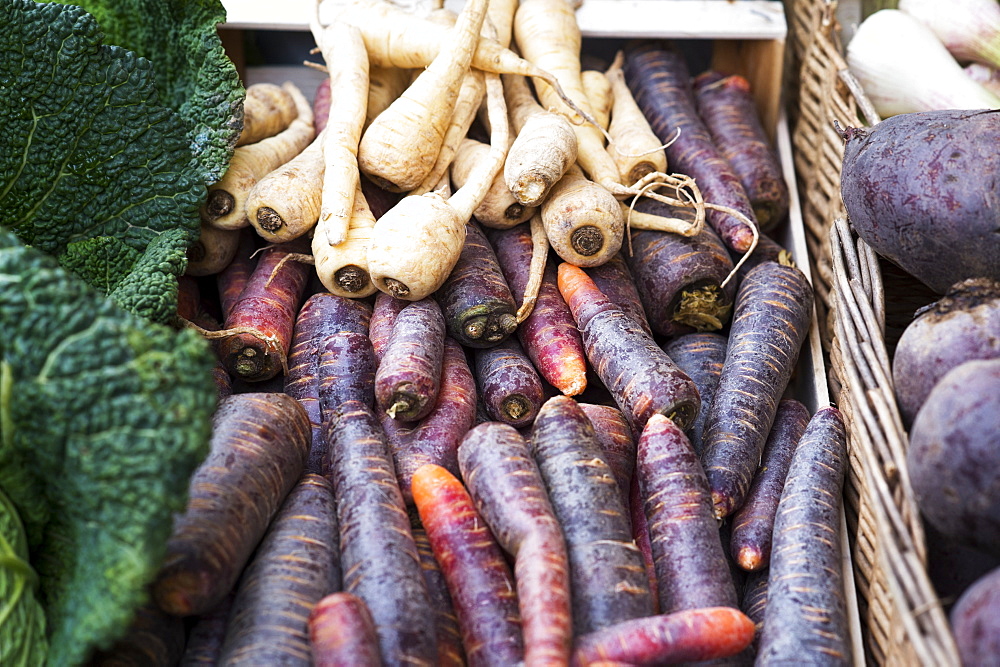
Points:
[(749, 558)]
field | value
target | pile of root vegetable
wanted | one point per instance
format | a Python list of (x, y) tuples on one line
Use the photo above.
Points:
[(496, 385)]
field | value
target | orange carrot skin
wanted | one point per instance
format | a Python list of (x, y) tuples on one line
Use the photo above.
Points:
[(295, 565), (451, 652), (616, 441), (608, 577), (378, 555), (232, 279), (691, 566), (436, 437), (260, 442), (701, 356), (727, 108), (154, 639), (658, 76), (642, 378), (477, 302), (666, 266), (509, 493), (691, 634), (384, 314), (508, 383), (770, 323), (204, 639), (615, 280), (474, 567), (267, 305), (409, 373), (342, 633), (753, 523), (806, 617), (548, 335), (322, 319)]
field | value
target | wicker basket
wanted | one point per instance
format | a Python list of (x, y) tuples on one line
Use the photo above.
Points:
[(903, 620)]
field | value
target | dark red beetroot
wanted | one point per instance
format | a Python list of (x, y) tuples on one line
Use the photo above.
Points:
[(961, 326), (953, 459), (975, 621), (923, 190), (508, 383), (726, 105)]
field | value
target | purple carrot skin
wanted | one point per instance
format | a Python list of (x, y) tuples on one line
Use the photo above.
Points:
[(409, 373), (658, 77), (691, 566), (679, 280), (509, 493), (436, 437), (615, 437), (154, 639), (701, 356), (323, 318), (342, 633), (640, 533), (691, 634), (607, 574), (770, 323), (806, 617), (753, 523), (259, 446), (754, 602), (204, 640), (548, 335), (378, 556), (296, 564), (478, 306), (223, 383), (615, 280), (727, 108), (510, 386), (232, 279), (474, 567), (263, 317), (384, 314), (767, 250), (449, 636), (642, 378)]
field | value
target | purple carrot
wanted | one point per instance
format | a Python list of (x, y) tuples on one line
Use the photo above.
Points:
[(378, 555), (204, 639), (770, 324), (478, 305), (409, 372), (153, 639), (548, 335), (701, 356), (474, 567), (384, 314), (615, 437), (753, 523), (508, 491), (691, 567), (642, 378), (806, 617), (658, 76), (680, 280), (640, 533), (436, 437), (449, 636), (754, 603), (510, 386), (608, 577), (342, 633), (322, 319), (615, 280), (232, 279), (726, 106), (295, 566)]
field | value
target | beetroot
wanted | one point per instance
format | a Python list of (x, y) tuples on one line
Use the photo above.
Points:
[(975, 620), (961, 326), (923, 190)]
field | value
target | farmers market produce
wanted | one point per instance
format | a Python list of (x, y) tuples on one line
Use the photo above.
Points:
[(154, 639), (904, 68), (204, 638), (960, 326), (806, 616), (634, 146), (17, 585), (701, 356), (615, 280), (509, 385), (284, 204), (213, 251), (607, 578), (974, 619), (921, 189), (583, 221), (451, 651), (498, 209), (409, 370), (259, 446), (617, 445), (969, 29), (342, 633), (770, 323), (598, 90), (952, 455), (267, 110)]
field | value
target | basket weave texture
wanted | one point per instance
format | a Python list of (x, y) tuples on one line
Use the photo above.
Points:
[(863, 304)]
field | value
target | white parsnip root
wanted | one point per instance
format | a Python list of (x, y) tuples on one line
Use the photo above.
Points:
[(343, 268), (634, 146)]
